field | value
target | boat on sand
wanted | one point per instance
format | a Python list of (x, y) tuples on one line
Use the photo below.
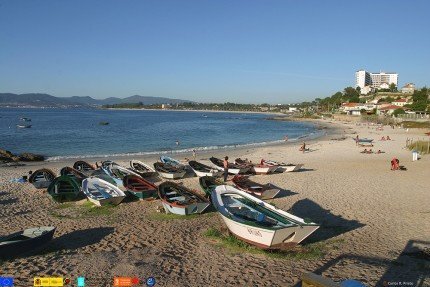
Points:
[(142, 168), (284, 167), (201, 169), (257, 222), (25, 241), (180, 200), (64, 188), (232, 167), (169, 171), (208, 183), (263, 191), (139, 187), (101, 192), (41, 178)]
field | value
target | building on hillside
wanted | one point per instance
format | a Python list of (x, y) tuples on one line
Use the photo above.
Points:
[(366, 90), (409, 88), (400, 102), (384, 86), (165, 106), (387, 109), (374, 80), (354, 109)]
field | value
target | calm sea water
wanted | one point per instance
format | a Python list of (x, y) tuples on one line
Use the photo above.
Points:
[(62, 133)]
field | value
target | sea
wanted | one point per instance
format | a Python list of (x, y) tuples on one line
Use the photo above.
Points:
[(72, 133)]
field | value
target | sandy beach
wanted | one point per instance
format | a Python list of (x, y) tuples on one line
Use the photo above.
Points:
[(374, 221)]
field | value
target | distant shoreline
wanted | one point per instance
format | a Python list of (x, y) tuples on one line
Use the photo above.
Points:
[(201, 111)]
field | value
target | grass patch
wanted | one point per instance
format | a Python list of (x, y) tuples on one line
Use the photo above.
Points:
[(307, 252), (420, 146), (92, 210), (64, 205), (169, 216), (416, 125)]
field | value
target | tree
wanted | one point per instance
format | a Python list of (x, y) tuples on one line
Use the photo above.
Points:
[(358, 89), (398, 111), (393, 88)]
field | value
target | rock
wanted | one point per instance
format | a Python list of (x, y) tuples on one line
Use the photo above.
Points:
[(5, 155), (26, 156)]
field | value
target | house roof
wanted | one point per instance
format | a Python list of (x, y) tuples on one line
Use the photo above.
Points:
[(400, 101), (352, 105), (390, 107)]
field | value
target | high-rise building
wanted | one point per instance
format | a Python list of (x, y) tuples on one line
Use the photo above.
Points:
[(374, 80)]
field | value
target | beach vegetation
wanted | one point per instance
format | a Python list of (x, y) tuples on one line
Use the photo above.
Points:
[(398, 111), (170, 216), (422, 147), (416, 125), (301, 252)]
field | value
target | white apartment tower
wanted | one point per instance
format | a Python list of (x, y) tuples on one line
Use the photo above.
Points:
[(374, 80)]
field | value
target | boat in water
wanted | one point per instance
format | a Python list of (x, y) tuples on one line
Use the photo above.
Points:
[(25, 241), (20, 126), (142, 168), (139, 187), (263, 191), (65, 188), (25, 119), (201, 169), (42, 178), (101, 192), (180, 200), (169, 171), (257, 222), (232, 167)]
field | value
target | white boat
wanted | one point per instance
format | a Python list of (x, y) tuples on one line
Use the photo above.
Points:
[(284, 167), (232, 168), (142, 168), (101, 192), (263, 168), (257, 222), (168, 171), (117, 173), (201, 169)]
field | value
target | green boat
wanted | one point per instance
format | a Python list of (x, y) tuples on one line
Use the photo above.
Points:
[(208, 183), (64, 188), (139, 187)]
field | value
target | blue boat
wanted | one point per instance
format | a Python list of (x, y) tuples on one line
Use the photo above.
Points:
[(171, 161)]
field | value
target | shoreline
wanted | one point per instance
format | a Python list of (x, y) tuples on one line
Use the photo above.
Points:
[(200, 111), (322, 131)]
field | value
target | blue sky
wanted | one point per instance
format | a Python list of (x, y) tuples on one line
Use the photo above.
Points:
[(209, 51)]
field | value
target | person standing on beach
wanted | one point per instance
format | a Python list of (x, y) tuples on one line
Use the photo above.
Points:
[(194, 154), (225, 164), (356, 140)]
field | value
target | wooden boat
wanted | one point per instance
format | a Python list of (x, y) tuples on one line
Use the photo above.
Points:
[(23, 126), (71, 172), (41, 178), (169, 160), (263, 191), (141, 168), (256, 168), (117, 173), (208, 183), (232, 168), (103, 123), (139, 187), (180, 200), (257, 222), (84, 167), (201, 169), (284, 167), (64, 188), (168, 171), (25, 240), (25, 119), (100, 173), (364, 140), (101, 192)]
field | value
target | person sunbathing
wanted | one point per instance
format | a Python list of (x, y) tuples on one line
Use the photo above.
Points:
[(379, 151), (388, 138), (383, 138), (370, 151), (364, 151)]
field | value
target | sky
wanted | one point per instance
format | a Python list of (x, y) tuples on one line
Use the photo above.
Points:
[(246, 51)]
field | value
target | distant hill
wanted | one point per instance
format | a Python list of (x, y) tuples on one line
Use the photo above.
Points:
[(45, 100)]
